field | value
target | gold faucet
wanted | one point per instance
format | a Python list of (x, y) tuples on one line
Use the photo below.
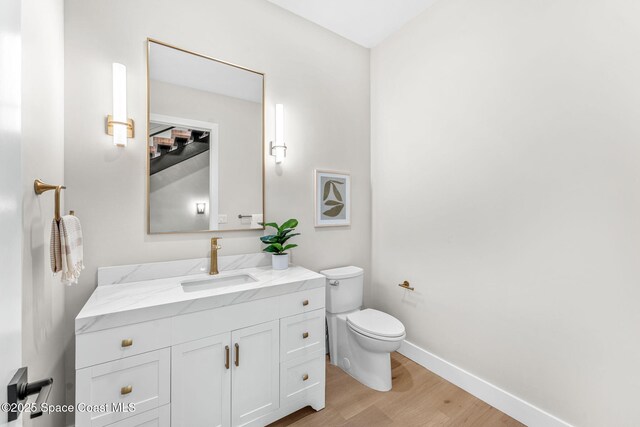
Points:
[(214, 255)]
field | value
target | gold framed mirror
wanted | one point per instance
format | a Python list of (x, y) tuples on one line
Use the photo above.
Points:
[(205, 143)]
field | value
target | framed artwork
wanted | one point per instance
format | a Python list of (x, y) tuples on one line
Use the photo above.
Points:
[(332, 198)]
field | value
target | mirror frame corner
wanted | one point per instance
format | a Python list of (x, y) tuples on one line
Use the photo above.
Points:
[(146, 140)]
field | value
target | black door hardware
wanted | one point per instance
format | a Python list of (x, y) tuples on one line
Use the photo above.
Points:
[(19, 389)]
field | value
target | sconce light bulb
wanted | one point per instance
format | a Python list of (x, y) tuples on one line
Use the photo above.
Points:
[(280, 150), (119, 104)]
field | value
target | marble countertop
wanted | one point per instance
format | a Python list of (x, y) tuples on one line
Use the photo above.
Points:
[(120, 304)]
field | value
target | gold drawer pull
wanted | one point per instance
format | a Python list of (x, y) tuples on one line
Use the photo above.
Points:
[(237, 354), (127, 343), (305, 377), (126, 390), (305, 302), (305, 335), (226, 357)]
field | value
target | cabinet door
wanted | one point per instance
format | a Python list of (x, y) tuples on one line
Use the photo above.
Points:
[(255, 388), (201, 382)]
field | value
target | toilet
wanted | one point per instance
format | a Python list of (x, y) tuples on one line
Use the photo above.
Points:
[(360, 341)]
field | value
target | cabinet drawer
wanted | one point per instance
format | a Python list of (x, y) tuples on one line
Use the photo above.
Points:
[(112, 344), (142, 380), (160, 417), (302, 335), (302, 378), (301, 302)]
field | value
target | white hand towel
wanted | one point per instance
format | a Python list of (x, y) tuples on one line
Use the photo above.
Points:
[(71, 249), (55, 248)]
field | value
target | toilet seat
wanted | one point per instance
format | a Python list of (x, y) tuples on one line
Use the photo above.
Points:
[(376, 324)]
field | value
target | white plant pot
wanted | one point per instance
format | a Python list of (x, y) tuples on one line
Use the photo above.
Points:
[(280, 262)]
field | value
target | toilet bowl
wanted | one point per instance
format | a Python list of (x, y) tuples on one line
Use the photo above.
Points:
[(376, 331), (360, 341)]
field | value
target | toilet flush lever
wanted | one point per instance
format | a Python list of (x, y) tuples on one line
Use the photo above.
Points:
[(334, 282)]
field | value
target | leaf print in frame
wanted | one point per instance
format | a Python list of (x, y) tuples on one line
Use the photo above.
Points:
[(334, 211), (332, 198), (335, 191), (327, 188)]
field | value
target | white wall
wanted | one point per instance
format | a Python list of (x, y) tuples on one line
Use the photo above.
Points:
[(45, 337), (506, 189), (10, 196), (322, 79)]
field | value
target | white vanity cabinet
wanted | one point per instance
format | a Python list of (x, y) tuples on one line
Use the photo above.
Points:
[(201, 382), (241, 364), (229, 375), (254, 377)]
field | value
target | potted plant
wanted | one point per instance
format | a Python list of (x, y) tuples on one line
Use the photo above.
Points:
[(276, 243)]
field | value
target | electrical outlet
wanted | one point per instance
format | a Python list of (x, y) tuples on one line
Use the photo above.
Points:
[(222, 218)]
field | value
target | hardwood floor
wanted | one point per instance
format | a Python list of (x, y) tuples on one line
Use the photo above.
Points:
[(418, 398)]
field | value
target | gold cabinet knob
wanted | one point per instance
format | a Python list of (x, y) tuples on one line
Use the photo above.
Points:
[(127, 343), (305, 335), (305, 302), (305, 377), (126, 390)]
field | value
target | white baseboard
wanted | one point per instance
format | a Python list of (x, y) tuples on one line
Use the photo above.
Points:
[(506, 402)]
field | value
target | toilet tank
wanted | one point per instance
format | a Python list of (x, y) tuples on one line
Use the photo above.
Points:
[(344, 288)]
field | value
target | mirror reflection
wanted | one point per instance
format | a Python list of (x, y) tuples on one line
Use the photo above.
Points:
[(205, 157)]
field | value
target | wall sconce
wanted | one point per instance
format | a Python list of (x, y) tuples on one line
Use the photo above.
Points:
[(278, 148), (118, 125), (200, 208)]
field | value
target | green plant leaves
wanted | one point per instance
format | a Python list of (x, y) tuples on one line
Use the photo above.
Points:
[(276, 241), (285, 232), (291, 223), (288, 237)]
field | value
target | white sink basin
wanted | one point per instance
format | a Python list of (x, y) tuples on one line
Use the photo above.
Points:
[(214, 282)]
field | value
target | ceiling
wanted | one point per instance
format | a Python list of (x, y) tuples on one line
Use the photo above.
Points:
[(183, 69), (366, 22)]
